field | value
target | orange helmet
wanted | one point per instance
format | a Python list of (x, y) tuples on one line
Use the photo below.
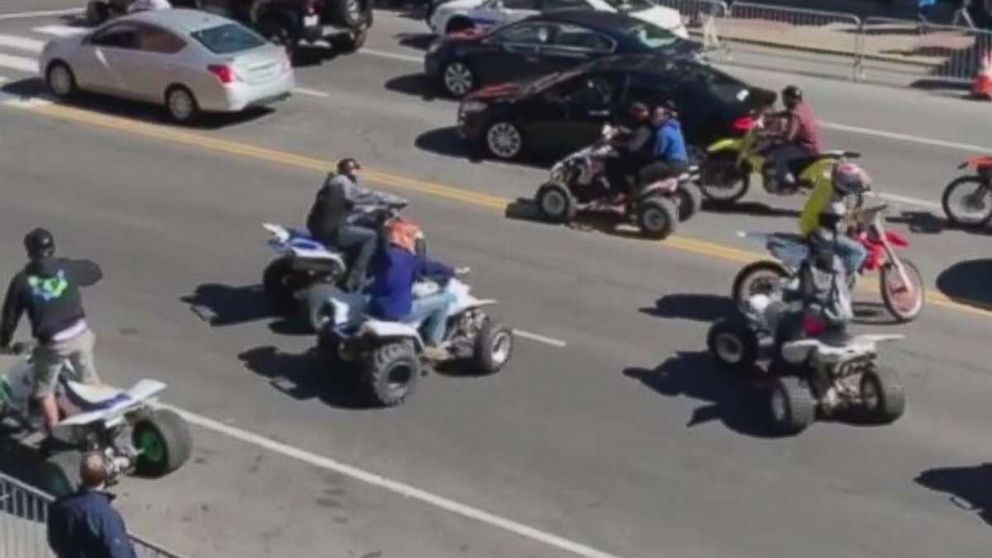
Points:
[(403, 234)]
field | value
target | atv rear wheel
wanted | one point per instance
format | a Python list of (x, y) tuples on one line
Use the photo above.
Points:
[(391, 372), (761, 277), (657, 217), (277, 280), (733, 344), (555, 203), (883, 399), (493, 347), (791, 405), (164, 443), (690, 198)]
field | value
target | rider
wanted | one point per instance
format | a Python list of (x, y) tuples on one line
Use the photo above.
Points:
[(47, 289), (396, 269), (800, 138), (845, 179), (328, 223), (634, 152), (670, 156)]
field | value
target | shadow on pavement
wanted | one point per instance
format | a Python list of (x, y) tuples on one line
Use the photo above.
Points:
[(224, 305), (445, 141), (696, 307), (919, 222), (34, 88), (733, 400), (414, 84), (419, 41), (872, 314), (757, 209), (970, 488), (306, 376), (967, 282)]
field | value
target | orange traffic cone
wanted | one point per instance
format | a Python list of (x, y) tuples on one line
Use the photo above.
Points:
[(981, 87)]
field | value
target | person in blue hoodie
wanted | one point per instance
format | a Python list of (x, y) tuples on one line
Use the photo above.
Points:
[(670, 155), (396, 268)]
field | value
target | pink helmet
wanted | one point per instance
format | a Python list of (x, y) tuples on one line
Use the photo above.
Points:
[(849, 178)]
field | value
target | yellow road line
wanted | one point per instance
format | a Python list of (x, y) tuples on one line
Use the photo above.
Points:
[(192, 139)]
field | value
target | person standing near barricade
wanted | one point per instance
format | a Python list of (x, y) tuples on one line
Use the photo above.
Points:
[(84, 524)]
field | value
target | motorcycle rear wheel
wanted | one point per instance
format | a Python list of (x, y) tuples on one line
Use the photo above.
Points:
[(766, 273), (904, 306), (962, 192), (722, 182)]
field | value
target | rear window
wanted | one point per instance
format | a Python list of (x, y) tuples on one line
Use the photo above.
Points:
[(651, 36), (228, 38)]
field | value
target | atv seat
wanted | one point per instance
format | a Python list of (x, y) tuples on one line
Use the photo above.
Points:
[(91, 397)]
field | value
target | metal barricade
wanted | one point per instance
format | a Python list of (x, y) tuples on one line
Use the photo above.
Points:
[(943, 53), (701, 18), (23, 524)]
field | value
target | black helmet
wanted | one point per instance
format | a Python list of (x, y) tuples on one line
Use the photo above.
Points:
[(792, 95), (39, 244), (348, 165)]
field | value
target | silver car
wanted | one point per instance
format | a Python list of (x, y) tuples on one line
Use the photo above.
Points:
[(188, 60)]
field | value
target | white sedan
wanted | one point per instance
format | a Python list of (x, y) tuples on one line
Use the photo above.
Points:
[(187, 60), (462, 15)]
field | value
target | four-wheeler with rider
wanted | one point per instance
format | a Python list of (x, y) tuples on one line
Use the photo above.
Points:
[(579, 183), (134, 435)]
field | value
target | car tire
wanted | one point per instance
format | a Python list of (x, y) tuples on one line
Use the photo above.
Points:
[(348, 13), (165, 442), (181, 104), (457, 79), (493, 348), (504, 140), (458, 24), (391, 373), (60, 80)]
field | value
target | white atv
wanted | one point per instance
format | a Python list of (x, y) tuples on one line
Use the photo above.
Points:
[(134, 437), (827, 372), (390, 354)]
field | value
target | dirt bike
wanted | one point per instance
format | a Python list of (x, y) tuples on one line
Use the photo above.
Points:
[(967, 200), (825, 371), (134, 436), (578, 183), (725, 173), (900, 282)]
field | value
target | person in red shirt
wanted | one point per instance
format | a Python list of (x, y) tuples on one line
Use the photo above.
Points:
[(799, 140)]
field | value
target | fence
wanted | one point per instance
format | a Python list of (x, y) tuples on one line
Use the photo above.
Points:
[(23, 519), (901, 52)]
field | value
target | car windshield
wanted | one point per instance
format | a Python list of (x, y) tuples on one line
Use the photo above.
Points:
[(650, 36), (228, 38), (629, 5)]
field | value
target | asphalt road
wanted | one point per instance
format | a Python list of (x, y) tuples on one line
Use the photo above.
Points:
[(626, 441)]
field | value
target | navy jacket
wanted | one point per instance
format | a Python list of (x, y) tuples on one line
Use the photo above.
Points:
[(84, 525), (394, 272)]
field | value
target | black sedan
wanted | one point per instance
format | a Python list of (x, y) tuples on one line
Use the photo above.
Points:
[(541, 44), (564, 111)]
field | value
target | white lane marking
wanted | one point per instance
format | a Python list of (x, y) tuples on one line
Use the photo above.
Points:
[(60, 30), (539, 338), (41, 13), (392, 55), (396, 487), (311, 92), (19, 63), (906, 137), (905, 200), (21, 43), (19, 101)]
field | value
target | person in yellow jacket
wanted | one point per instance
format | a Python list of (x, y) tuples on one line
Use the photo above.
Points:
[(845, 178)]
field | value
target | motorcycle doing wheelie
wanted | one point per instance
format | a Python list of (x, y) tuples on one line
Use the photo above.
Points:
[(579, 183), (305, 261), (900, 281), (815, 366), (125, 426), (726, 171), (967, 200)]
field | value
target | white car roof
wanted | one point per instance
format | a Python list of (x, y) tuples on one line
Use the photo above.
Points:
[(178, 20)]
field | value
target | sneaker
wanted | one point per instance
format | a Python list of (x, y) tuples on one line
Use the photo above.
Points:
[(435, 353)]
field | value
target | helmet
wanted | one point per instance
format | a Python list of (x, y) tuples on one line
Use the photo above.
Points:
[(404, 234), (39, 244), (348, 165), (792, 95), (849, 178)]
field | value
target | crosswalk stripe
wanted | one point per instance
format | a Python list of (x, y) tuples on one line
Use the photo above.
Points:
[(60, 30), (21, 43), (19, 63)]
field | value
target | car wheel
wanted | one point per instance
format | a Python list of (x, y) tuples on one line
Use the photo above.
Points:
[(458, 79), (504, 140), (181, 104), (61, 80), (348, 13)]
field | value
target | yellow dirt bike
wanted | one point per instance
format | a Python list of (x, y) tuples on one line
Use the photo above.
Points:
[(729, 163)]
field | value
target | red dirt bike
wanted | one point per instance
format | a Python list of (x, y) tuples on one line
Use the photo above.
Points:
[(967, 200), (900, 282)]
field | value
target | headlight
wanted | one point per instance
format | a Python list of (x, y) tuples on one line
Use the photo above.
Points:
[(473, 106)]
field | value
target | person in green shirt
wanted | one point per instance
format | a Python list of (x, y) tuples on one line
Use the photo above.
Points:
[(845, 178)]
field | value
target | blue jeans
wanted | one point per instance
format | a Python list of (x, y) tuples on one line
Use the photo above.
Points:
[(433, 310), (852, 252)]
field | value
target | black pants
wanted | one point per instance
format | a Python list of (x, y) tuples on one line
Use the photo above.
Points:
[(618, 169), (785, 159), (660, 170)]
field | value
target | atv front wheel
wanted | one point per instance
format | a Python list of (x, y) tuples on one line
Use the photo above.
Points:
[(690, 198), (657, 217), (164, 443), (733, 344), (791, 405), (493, 347), (882, 396), (391, 372), (555, 203)]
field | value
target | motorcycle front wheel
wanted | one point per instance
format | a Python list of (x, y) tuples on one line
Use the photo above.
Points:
[(967, 202), (904, 301)]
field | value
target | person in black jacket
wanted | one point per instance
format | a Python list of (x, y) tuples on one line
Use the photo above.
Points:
[(327, 220), (84, 524), (47, 289), (635, 152)]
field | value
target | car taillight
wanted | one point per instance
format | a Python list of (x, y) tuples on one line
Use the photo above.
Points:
[(224, 73), (744, 123)]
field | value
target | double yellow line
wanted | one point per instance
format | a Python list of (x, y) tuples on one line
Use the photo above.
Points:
[(173, 135)]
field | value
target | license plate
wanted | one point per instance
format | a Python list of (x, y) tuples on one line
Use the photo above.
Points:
[(311, 20)]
